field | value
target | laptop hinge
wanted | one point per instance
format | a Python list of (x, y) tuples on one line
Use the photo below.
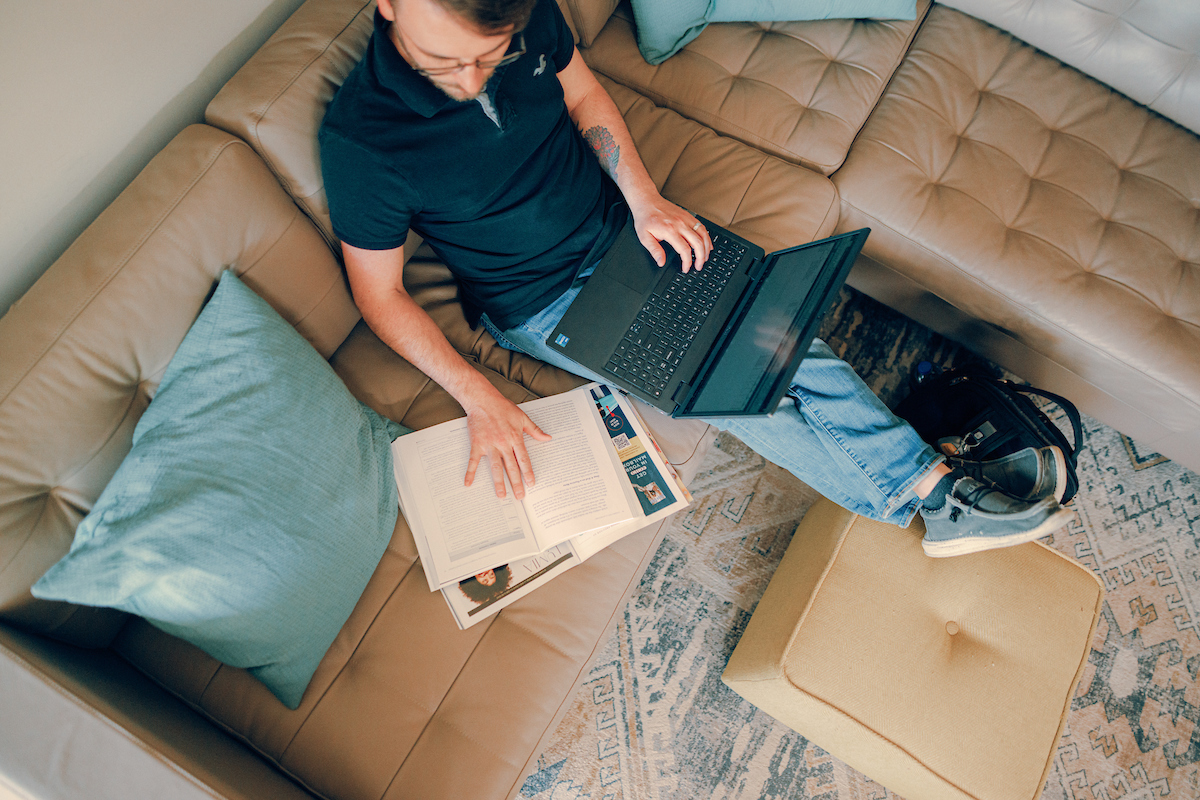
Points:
[(756, 268), (682, 392)]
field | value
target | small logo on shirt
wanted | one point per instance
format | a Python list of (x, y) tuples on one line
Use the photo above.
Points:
[(561, 340), (541, 66)]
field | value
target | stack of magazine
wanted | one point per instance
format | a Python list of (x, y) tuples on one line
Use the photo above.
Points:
[(600, 478)]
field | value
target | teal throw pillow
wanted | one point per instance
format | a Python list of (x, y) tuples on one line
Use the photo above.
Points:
[(254, 505), (665, 26)]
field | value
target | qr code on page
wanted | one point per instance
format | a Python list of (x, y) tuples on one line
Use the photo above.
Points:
[(620, 441)]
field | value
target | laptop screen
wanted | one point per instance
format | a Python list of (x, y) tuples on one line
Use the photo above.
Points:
[(765, 337)]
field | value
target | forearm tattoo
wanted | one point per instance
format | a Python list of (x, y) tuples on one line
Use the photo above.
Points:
[(605, 148)]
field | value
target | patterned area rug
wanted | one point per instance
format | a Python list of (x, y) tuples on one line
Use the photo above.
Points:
[(653, 719)]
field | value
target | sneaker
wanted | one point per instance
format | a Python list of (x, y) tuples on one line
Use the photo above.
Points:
[(978, 517), (1031, 474)]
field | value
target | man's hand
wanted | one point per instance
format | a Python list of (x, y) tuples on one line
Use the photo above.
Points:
[(659, 220), (497, 430)]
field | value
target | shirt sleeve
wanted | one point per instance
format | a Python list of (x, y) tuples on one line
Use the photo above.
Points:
[(370, 204), (563, 42)]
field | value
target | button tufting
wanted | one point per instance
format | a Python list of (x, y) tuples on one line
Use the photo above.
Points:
[(952, 627)]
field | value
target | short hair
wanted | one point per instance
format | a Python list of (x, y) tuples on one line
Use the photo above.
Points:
[(490, 16)]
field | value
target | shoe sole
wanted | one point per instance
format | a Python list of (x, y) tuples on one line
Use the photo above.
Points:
[(1060, 473), (960, 547)]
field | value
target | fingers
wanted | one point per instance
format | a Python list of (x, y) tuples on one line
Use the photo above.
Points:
[(498, 468), (685, 234), (682, 246), (505, 450), (699, 241), (472, 465), (653, 248), (519, 465)]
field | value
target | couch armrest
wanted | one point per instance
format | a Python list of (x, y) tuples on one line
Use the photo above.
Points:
[(82, 725)]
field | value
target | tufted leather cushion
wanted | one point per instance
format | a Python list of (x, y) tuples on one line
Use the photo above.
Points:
[(1148, 49), (798, 90), (1043, 203)]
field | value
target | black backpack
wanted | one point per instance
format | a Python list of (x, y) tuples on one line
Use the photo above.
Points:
[(969, 413)]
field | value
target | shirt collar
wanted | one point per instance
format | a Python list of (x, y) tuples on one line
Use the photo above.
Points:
[(393, 72)]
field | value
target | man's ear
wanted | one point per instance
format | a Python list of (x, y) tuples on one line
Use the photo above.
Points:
[(387, 10)]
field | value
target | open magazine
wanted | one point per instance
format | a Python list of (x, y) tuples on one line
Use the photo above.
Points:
[(601, 477), (485, 594)]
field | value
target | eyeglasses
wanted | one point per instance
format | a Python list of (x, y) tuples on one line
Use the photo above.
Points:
[(479, 63)]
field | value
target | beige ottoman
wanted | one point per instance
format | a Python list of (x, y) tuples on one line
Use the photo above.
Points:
[(936, 677)]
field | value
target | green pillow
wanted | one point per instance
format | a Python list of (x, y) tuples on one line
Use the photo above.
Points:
[(665, 26), (254, 505)]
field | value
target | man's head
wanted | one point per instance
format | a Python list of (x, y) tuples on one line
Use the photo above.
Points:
[(455, 44)]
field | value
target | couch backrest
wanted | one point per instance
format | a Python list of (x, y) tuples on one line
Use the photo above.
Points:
[(82, 353), (277, 100), (587, 17), (1147, 49)]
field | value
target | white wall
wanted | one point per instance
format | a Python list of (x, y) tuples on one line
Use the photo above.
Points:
[(90, 90)]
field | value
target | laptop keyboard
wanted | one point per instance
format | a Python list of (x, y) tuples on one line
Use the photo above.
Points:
[(667, 324)]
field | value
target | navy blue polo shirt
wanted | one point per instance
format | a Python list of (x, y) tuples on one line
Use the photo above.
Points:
[(505, 191)]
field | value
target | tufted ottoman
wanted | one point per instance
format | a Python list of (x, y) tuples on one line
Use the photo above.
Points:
[(938, 678)]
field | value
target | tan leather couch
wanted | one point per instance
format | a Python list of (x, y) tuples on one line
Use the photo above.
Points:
[(968, 153), (1017, 205), (97, 704)]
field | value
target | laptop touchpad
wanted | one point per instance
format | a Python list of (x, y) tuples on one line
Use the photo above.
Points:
[(635, 267)]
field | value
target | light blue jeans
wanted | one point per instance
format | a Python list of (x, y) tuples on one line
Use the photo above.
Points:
[(832, 432)]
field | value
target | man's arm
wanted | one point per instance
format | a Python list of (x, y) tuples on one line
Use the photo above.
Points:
[(496, 426), (603, 128)]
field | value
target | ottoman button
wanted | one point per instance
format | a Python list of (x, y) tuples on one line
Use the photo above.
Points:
[(952, 627)]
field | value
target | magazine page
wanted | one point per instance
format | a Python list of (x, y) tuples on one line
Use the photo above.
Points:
[(459, 530), (579, 476), (646, 468), (659, 490), (485, 594), (656, 453)]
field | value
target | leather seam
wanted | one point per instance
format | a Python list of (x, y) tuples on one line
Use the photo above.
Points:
[(354, 651), (433, 716), (691, 111), (297, 215), (222, 725), (29, 535)]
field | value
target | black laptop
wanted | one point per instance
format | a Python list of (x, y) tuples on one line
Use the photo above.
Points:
[(722, 341)]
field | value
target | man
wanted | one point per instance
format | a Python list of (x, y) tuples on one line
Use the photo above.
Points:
[(477, 123)]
